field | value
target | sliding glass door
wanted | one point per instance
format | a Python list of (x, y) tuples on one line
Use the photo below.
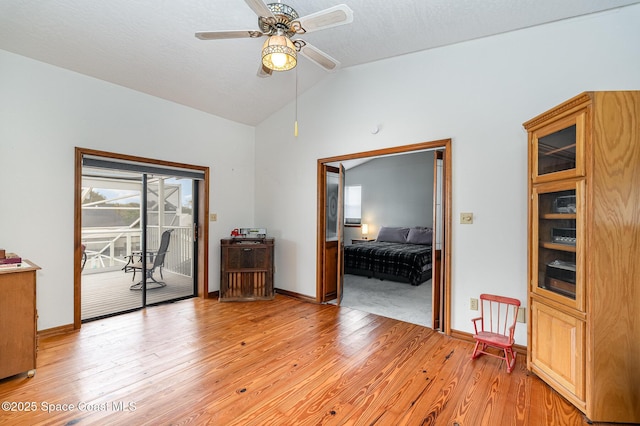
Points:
[(138, 236), (110, 230), (169, 239)]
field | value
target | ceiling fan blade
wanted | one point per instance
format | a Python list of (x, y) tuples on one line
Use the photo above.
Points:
[(264, 72), (318, 57), (327, 18), (260, 8), (220, 35)]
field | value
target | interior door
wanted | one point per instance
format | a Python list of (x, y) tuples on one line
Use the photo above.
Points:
[(340, 232), (329, 200), (437, 288)]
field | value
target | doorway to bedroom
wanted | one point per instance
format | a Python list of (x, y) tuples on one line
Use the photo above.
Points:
[(403, 189)]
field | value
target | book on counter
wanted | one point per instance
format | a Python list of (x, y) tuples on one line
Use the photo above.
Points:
[(11, 260)]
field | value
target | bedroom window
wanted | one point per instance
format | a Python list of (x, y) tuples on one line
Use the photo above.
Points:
[(352, 205)]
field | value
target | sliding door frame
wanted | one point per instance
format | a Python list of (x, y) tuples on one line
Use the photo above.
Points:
[(202, 226)]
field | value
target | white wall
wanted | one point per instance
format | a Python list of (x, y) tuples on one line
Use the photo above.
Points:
[(397, 190), (46, 111), (476, 93)]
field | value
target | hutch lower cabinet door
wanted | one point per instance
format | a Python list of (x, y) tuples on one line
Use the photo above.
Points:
[(558, 348)]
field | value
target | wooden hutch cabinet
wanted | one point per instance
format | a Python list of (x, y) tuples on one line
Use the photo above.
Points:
[(18, 319), (584, 253), (246, 269)]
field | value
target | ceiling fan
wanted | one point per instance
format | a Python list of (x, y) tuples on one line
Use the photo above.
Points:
[(279, 22)]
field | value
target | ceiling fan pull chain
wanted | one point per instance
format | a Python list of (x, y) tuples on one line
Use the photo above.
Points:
[(295, 126)]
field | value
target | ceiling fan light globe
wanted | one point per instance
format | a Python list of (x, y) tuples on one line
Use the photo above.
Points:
[(279, 59), (279, 53)]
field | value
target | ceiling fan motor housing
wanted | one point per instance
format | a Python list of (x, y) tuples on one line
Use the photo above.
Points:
[(284, 15)]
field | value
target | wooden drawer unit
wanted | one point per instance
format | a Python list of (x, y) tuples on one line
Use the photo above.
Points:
[(246, 269), (18, 317)]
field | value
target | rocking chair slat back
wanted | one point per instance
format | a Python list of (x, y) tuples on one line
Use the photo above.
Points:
[(495, 327)]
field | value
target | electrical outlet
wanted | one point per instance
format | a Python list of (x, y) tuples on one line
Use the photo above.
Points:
[(522, 315), (466, 218), (473, 304), (213, 217)]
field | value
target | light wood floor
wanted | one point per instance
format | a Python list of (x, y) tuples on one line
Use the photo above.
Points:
[(280, 362)]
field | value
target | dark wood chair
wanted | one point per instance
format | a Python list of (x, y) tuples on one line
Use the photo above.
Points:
[(495, 327)]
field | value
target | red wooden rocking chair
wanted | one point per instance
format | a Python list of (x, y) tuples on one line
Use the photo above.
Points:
[(495, 327)]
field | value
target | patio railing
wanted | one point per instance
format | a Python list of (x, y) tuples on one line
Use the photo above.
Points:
[(107, 248)]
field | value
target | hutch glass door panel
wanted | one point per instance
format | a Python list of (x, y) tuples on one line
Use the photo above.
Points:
[(557, 235), (559, 149)]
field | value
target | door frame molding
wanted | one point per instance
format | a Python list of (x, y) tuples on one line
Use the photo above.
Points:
[(444, 144), (202, 225)]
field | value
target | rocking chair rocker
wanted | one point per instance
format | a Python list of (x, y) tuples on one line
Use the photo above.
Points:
[(495, 327)]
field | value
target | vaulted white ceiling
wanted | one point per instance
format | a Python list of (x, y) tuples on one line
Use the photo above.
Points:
[(149, 45)]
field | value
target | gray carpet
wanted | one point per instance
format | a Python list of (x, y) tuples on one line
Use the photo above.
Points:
[(389, 299)]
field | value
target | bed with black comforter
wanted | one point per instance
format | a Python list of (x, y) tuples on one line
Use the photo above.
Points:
[(397, 260)]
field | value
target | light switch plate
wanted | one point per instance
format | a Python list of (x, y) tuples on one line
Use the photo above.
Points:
[(213, 217), (473, 304), (466, 218)]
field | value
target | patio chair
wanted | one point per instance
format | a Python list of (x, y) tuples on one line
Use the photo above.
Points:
[(84, 256), (495, 327), (155, 262)]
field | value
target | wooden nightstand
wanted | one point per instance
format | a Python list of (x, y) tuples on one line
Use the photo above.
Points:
[(360, 240)]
